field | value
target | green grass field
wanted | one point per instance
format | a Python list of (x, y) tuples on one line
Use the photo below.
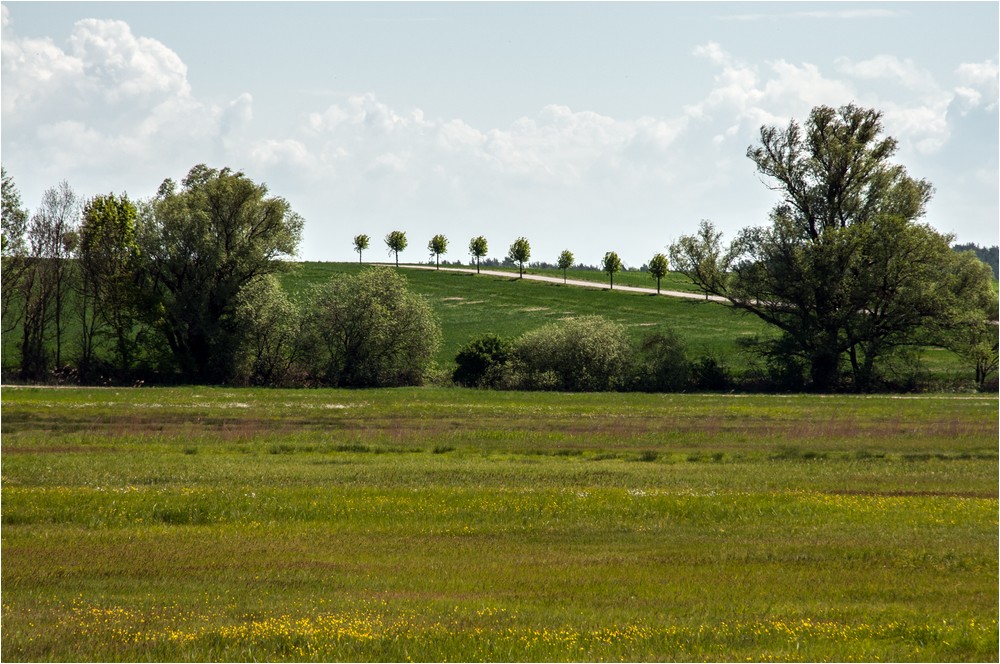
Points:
[(201, 524)]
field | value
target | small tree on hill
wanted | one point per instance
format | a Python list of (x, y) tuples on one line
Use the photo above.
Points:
[(611, 264), (565, 262), (396, 241), (360, 244), (658, 266), (437, 246), (478, 248), (520, 252)]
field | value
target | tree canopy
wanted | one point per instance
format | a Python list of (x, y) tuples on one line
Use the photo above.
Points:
[(201, 245), (520, 252), (845, 270)]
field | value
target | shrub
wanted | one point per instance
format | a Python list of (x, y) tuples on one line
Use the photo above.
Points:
[(707, 373), (370, 330), (588, 354), (661, 364), (480, 358)]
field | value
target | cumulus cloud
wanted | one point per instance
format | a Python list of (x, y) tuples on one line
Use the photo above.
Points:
[(104, 99)]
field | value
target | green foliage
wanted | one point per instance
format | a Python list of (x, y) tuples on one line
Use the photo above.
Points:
[(370, 330), (480, 361), (658, 268), (14, 218), (437, 245), (611, 264), (360, 244), (269, 323), (396, 242), (565, 262), (200, 246), (520, 253), (660, 364), (578, 355), (108, 258), (478, 249), (843, 271)]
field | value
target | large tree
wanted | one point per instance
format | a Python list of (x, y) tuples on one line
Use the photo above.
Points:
[(200, 246), (13, 252), (108, 258), (845, 271), (46, 283)]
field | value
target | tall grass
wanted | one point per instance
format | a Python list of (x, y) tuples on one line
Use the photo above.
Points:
[(442, 524)]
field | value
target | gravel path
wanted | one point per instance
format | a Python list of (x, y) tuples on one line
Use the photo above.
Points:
[(569, 282)]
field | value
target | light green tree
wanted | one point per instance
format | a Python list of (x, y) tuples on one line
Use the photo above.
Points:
[(370, 330), (611, 264), (658, 266), (520, 253), (437, 245), (396, 242), (565, 262), (360, 244), (478, 249), (108, 260)]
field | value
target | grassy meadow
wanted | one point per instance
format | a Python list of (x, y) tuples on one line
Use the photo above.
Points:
[(468, 305), (199, 524)]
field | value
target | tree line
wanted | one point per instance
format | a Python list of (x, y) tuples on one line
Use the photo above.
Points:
[(182, 287)]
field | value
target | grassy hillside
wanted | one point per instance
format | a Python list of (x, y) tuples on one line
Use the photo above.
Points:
[(469, 304)]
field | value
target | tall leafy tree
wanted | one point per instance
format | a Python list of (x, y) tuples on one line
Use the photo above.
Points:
[(520, 252), (108, 259), (478, 249), (360, 244), (201, 245), (13, 253), (611, 264), (437, 246), (565, 262), (658, 267), (844, 270)]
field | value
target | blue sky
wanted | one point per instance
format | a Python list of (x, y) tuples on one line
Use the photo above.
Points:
[(587, 126)]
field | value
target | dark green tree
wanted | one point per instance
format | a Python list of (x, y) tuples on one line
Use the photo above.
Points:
[(844, 270), (13, 254), (479, 359), (200, 246)]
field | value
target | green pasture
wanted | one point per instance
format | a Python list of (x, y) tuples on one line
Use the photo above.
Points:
[(202, 524), (469, 305)]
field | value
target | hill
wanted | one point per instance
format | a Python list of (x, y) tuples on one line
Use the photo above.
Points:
[(468, 305)]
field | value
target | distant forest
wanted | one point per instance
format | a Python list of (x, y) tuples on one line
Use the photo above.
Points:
[(988, 255)]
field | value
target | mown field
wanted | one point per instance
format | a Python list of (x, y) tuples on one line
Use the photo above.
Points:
[(201, 524)]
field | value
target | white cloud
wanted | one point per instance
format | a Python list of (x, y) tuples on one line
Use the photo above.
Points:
[(889, 68), (978, 83), (110, 101)]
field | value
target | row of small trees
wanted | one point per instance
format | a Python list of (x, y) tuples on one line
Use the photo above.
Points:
[(519, 252)]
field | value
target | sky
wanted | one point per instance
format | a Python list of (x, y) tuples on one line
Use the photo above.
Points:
[(593, 126)]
